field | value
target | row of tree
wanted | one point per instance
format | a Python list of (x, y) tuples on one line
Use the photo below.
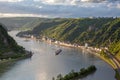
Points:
[(77, 75)]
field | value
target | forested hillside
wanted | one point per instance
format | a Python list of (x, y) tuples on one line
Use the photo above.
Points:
[(97, 32), (115, 49), (109, 33), (40, 26), (8, 47), (81, 31)]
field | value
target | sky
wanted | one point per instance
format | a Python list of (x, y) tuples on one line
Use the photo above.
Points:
[(60, 8)]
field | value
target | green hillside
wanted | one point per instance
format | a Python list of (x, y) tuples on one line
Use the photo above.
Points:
[(100, 32), (8, 46), (78, 30), (97, 32), (109, 33), (41, 25), (115, 49)]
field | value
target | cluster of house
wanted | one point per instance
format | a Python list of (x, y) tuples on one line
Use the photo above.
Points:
[(67, 43), (86, 46), (51, 40)]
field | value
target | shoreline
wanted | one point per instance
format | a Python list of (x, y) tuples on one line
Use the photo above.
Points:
[(7, 64), (91, 50), (95, 52)]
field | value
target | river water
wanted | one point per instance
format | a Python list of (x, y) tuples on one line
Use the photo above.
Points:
[(44, 64)]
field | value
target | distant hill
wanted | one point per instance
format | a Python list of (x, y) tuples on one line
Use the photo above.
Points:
[(16, 22), (24, 23)]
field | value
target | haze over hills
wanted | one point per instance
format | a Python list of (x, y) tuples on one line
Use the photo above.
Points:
[(24, 23), (16, 22)]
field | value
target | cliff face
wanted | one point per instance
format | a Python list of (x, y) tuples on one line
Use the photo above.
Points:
[(8, 46)]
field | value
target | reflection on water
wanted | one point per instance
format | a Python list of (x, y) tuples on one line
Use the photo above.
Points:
[(44, 64)]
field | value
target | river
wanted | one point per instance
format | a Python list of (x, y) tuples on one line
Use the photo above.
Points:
[(44, 64)]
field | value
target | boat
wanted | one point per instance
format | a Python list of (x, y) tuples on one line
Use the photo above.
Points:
[(58, 51), (26, 40)]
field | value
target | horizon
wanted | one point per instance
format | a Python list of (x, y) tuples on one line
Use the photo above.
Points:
[(55, 17), (60, 8)]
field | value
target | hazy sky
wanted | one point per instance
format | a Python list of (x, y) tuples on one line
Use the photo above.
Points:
[(60, 8)]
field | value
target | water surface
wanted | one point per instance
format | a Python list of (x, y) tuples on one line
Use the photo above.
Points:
[(44, 64)]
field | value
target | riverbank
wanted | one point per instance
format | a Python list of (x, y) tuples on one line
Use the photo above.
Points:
[(91, 50), (7, 64)]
